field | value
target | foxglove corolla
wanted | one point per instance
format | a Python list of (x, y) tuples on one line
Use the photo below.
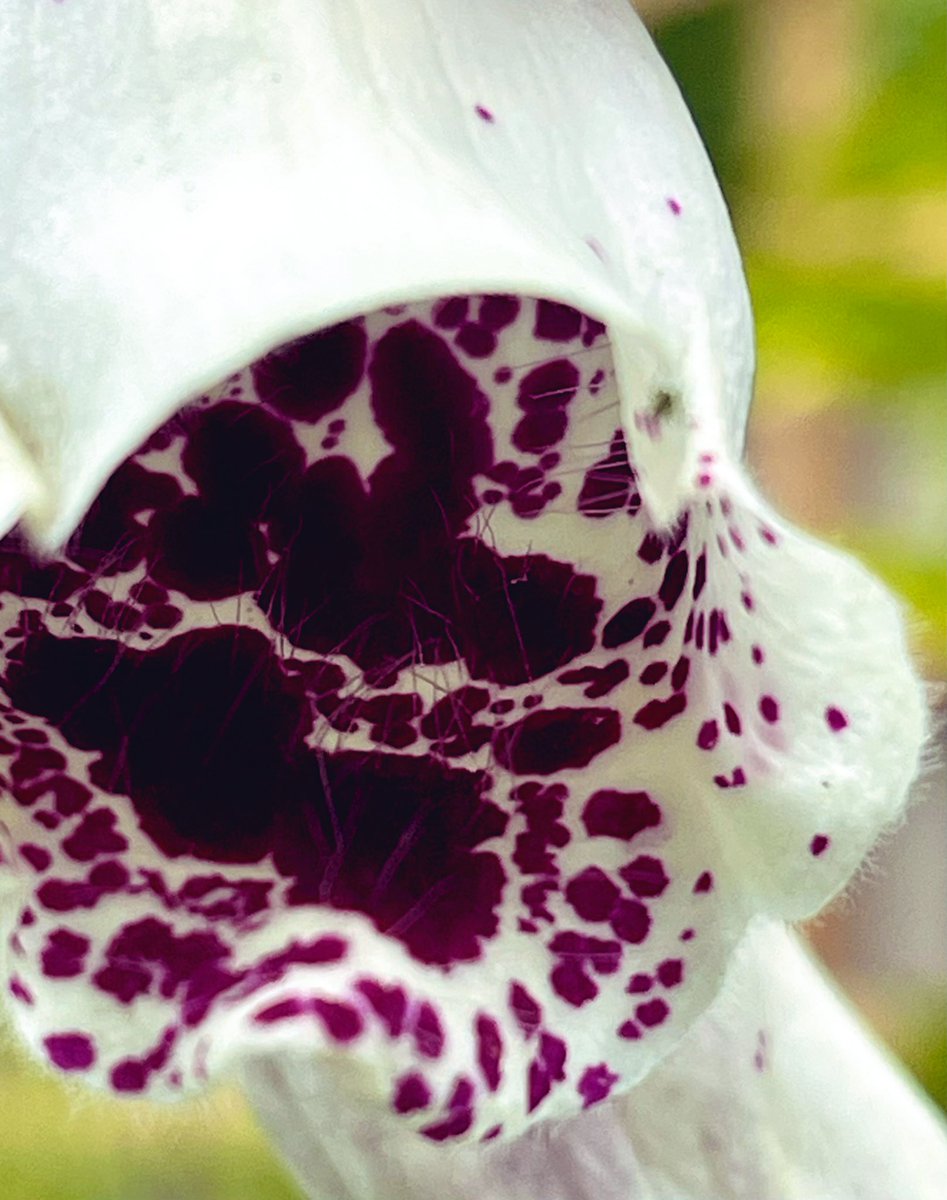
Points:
[(418, 719)]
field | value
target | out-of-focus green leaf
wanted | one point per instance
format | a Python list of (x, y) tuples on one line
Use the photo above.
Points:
[(899, 140), (57, 1143), (920, 581), (856, 321), (689, 42)]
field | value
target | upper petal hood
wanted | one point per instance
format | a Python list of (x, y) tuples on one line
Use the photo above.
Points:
[(189, 185)]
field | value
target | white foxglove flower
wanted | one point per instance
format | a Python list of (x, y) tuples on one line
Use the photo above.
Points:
[(416, 720)]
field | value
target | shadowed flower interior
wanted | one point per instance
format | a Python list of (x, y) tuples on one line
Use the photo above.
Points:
[(369, 714)]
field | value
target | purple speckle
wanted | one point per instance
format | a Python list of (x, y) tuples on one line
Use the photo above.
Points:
[(705, 883), (769, 709), (411, 1094), (70, 1051), (819, 844), (670, 972), (836, 719), (652, 1012), (484, 114), (674, 206), (596, 1084)]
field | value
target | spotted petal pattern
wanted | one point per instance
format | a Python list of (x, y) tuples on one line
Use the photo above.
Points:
[(369, 716)]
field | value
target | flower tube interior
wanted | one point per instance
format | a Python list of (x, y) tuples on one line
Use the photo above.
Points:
[(369, 717)]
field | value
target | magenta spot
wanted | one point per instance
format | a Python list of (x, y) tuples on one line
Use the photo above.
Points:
[(651, 549), (656, 634), (670, 972), (639, 983), (675, 578), (645, 876), (769, 709), (95, 835), (282, 1010), (705, 883), (657, 713), (484, 114), (19, 991), (489, 1050), (63, 956), (390, 1004), (653, 673), (652, 1012), (628, 623), (623, 815), (571, 981), (732, 718), (131, 1074), (547, 1069), (428, 1031), (680, 673), (674, 206), (38, 857), (497, 312), (609, 485), (592, 894), (411, 1094), (708, 735), (819, 844), (601, 680), (525, 1009), (758, 656), (556, 322), (310, 378), (476, 341), (836, 719), (596, 1084), (687, 935), (630, 921), (629, 1031), (543, 395), (342, 1022), (451, 312), (544, 743), (70, 1051)]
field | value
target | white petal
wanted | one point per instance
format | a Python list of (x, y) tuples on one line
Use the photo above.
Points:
[(190, 185), (777, 1093)]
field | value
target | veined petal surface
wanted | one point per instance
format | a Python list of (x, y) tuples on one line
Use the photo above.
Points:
[(369, 717)]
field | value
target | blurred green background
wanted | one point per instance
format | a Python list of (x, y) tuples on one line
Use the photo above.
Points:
[(828, 125)]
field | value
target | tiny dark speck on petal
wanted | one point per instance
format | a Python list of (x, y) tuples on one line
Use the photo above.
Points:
[(674, 206), (484, 114)]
